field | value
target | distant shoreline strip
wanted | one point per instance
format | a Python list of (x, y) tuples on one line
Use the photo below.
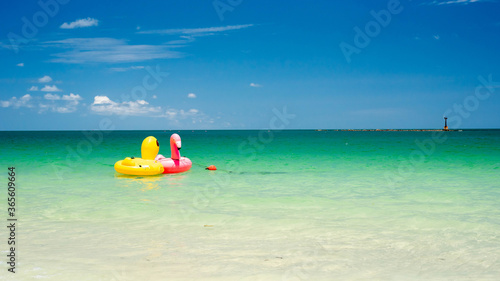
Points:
[(387, 130)]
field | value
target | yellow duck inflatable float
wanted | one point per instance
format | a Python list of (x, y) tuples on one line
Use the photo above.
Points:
[(145, 166)]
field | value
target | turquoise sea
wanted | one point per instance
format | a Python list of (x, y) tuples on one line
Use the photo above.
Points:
[(283, 205)]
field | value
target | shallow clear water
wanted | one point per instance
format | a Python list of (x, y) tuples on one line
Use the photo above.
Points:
[(290, 205)]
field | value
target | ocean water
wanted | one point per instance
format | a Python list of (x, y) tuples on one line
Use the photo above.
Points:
[(283, 205)]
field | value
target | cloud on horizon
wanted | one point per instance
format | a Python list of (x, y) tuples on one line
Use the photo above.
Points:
[(50, 102), (79, 23), (104, 106), (193, 115), (60, 104)]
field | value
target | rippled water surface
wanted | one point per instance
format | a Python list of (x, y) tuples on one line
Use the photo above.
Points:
[(290, 205)]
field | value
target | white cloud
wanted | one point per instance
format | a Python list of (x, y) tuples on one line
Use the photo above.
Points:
[(188, 35), (20, 64), (26, 98), (122, 69), (52, 88), (68, 108), (33, 88), (64, 104), (80, 23), (191, 95), (45, 79), (51, 97), (109, 50), (436, 37), (197, 31), (154, 96), (171, 113), (24, 101), (105, 106), (71, 97), (52, 102), (178, 116), (450, 2), (63, 109), (102, 100), (255, 85)]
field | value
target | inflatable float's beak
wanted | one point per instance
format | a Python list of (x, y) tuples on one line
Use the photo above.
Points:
[(176, 139)]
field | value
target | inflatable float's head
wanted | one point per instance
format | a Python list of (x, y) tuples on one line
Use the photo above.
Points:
[(176, 140), (149, 148)]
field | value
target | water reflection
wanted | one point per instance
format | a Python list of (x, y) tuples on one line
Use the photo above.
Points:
[(152, 182)]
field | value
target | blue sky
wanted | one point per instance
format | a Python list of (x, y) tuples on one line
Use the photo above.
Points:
[(226, 64)]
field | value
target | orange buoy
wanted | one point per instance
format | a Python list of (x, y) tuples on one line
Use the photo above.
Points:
[(211, 168)]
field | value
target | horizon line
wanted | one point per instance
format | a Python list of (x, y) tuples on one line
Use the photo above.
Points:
[(267, 129)]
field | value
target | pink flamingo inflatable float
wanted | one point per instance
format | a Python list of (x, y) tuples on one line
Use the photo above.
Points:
[(175, 164)]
